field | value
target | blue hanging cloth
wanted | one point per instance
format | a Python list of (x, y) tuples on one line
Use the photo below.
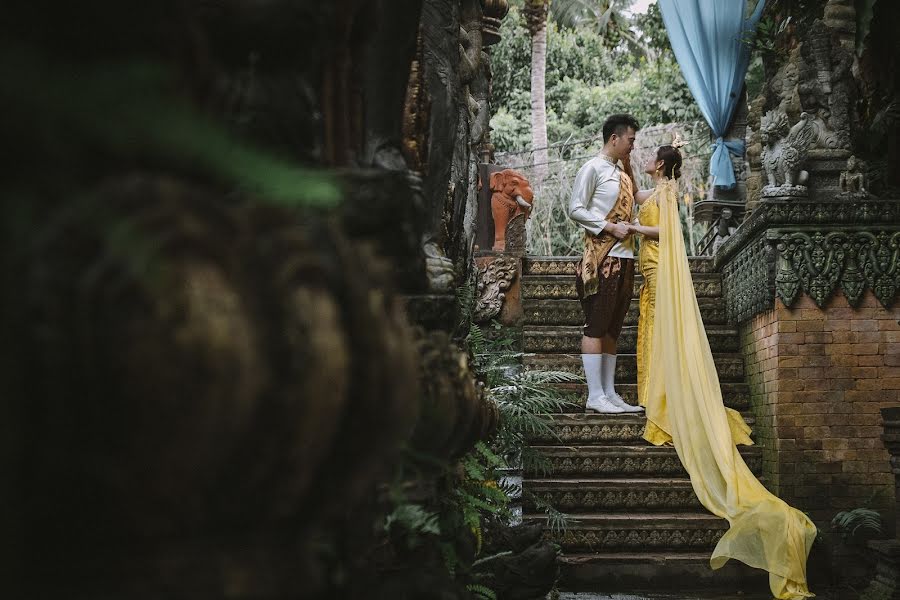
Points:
[(711, 41)]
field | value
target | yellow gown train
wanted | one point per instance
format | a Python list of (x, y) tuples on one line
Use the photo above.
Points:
[(684, 406), (648, 260)]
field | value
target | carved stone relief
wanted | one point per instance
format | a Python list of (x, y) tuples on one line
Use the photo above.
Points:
[(492, 283), (784, 151)]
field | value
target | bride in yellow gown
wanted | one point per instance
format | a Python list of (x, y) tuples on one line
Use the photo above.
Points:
[(679, 388)]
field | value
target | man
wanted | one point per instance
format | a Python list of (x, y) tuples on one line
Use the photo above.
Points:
[(603, 204)]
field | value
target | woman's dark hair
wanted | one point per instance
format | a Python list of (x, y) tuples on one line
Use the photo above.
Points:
[(671, 158)]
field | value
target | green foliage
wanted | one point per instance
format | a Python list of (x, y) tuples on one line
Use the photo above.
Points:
[(653, 30), (482, 592), (414, 519), (858, 525), (585, 81)]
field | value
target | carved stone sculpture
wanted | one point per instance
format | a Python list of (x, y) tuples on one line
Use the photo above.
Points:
[(825, 85), (493, 281), (784, 152), (511, 196), (494, 12), (438, 267), (853, 180)]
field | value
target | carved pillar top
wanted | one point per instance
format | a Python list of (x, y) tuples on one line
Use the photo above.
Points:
[(494, 12)]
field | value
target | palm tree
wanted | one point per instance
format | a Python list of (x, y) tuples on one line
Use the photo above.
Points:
[(607, 17), (536, 16)]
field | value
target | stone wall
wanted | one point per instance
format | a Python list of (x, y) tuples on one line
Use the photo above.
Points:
[(818, 379)]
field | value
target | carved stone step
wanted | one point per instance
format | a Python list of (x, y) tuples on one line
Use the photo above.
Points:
[(735, 395), (638, 532), (611, 495), (730, 367), (568, 312), (562, 287), (685, 571), (594, 429), (564, 462), (549, 340), (565, 265)]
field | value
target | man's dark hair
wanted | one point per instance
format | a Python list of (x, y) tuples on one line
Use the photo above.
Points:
[(618, 124)]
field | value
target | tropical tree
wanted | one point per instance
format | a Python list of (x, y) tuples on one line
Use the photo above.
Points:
[(536, 12), (606, 17)]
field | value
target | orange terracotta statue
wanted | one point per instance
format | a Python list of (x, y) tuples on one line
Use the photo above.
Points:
[(511, 195)]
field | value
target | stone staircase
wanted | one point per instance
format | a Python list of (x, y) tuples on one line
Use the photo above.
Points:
[(634, 521)]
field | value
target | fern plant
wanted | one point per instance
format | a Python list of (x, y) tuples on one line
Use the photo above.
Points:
[(858, 525)]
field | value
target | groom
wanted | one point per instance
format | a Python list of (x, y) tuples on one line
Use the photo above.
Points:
[(602, 203)]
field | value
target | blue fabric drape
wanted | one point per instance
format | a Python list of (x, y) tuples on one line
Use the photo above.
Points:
[(711, 41)]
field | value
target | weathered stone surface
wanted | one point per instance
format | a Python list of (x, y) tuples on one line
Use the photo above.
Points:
[(568, 339), (559, 287), (682, 570), (729, 366), (683, 531), (735, 395), (565, 265), (608, 495), (624, 461), (592, 428), (815, 248), (569, 312)]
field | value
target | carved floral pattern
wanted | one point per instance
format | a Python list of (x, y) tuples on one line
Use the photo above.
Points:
[(821, 262), (788, 248), (559, 288), (730, 367), (624, 497), (562, 266), (624, 464), (493, 281), (569, 340), (633, 538)]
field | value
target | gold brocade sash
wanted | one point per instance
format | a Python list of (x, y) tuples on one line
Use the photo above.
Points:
[(596, 247)]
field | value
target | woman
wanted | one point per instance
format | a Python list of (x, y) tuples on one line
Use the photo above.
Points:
[(664, 168), (679, 388)]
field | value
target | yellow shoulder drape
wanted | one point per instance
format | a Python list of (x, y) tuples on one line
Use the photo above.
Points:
[(685, 400)]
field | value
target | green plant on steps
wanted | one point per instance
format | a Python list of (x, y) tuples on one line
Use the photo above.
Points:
[(858, 525)]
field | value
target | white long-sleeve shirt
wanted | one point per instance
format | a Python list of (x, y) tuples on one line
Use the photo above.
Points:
[(593, 196)]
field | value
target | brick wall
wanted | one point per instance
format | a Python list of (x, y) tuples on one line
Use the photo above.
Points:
[(818, 378)]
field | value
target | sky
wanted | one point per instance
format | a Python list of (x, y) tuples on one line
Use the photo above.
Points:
[(640, 6)]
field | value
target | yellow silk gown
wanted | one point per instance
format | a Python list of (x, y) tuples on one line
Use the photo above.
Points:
[(648, 259), (684, 404)]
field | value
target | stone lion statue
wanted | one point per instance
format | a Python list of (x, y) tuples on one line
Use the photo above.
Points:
[(784, 149)]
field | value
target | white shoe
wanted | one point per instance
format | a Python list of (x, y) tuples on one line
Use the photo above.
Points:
[(602, 405), (616, 400)]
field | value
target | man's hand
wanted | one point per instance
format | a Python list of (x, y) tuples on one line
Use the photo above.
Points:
[(620, 231)]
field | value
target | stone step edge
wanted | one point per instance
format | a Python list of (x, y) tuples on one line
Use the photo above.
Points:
[(577, 355), (657, 572), (720, 328), (648, 518), (614, 480), (645, 448), (632, 419), (651, 558)]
